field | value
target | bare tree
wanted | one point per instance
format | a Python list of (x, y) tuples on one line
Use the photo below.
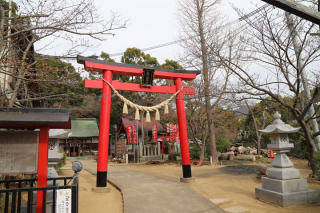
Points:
[(202, 27), (40, 25), (270, 47), (256, 126), (197, 120)]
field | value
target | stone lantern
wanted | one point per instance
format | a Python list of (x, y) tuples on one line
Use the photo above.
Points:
[(282, 185)]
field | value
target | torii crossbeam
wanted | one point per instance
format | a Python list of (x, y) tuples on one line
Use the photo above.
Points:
[(108, 69)]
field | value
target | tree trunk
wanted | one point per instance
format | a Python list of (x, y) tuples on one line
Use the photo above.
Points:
[(205, 71), (259, 145), (311, 146), (2, 52), (297, 47), (202, 150)]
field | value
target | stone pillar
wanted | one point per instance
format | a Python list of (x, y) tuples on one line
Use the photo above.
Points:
[(140, 148), (159, 148)]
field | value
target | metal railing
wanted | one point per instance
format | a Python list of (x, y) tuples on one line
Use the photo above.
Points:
[(18, 196)]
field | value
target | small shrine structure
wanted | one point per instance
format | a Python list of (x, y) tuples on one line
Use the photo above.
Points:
[(17, 122), (282, 185), (146, 149)]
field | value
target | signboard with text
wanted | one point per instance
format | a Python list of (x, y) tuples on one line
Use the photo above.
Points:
[(18, 152), (63, 201)]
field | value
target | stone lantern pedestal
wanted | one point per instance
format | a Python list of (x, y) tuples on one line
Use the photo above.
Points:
[(283, 185)]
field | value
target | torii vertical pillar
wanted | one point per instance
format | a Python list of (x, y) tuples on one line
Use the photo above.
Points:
[(183, 132), (105, 108), (42, 166)]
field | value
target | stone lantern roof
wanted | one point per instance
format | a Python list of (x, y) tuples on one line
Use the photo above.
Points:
[(278, 126)]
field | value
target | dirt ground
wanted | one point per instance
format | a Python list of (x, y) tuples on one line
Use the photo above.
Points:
[(237, 182), (94, 202)]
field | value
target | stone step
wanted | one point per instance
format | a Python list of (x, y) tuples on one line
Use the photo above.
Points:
[(221, 201), (236, 209)]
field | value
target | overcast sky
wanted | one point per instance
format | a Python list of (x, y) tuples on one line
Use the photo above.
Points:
[(152, 22)]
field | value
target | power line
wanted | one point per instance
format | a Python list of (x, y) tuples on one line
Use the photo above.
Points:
[(240, 19), (243, 27)]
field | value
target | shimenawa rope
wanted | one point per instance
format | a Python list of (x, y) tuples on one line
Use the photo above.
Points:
[(143, 108)]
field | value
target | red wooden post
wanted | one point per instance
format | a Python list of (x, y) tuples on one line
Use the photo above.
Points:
[(184, 144), (42, 165), (162, 148), (105, 108)]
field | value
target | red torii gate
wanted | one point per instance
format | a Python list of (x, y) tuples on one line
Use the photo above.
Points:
[(108, 69)]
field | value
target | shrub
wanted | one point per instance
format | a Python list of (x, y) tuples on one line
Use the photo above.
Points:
[(223, 143), (300, 146), (316, 158), (61, 163), (194, 152)]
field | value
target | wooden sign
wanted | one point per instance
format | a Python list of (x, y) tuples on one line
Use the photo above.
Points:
[(18, 152), (63, 201)]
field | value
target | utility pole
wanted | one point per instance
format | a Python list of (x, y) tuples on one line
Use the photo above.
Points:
[(319, 10), (297, 9), (304, 78)]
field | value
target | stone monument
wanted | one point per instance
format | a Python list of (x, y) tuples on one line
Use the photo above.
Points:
[(56, 136), (283, 185)]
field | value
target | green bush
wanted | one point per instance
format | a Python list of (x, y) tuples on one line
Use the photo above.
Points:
[(2, 200), (223, 143), (61, 163), (316, 158), (194, 152), (300, 146)]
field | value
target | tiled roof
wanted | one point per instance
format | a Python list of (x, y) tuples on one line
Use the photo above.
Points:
[(34, 116)]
